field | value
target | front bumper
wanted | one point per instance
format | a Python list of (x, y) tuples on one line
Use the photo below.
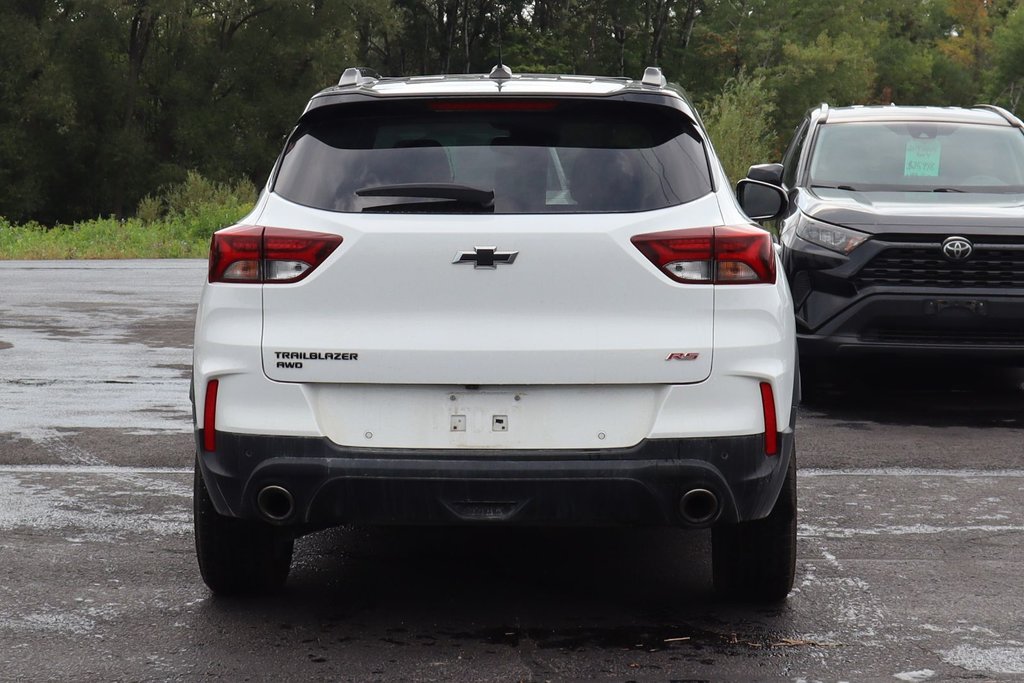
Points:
[(939, 323), (642, 485)]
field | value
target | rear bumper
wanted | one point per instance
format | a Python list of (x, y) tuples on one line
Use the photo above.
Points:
[(643, 485)]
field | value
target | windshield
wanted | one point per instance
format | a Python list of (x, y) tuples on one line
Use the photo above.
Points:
[(539, 156), (921, 156)]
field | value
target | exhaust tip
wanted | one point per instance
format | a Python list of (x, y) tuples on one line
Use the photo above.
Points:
[(275, 503), (699, 506)]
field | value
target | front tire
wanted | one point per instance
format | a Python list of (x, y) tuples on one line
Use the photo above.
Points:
[(238, 556), (756, 561), (811, 375)]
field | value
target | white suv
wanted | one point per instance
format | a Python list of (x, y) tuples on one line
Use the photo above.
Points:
[(495, 300)]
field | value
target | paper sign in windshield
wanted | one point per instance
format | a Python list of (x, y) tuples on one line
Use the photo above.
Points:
[(922, 158)]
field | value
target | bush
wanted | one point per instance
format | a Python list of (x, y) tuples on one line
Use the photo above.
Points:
[(198, 206), (739, 121), (150, 209), (196, 194)]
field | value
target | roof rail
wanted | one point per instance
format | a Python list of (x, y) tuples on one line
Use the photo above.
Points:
[(824, 112), (1010, 118), (358, 75), (653, 76)]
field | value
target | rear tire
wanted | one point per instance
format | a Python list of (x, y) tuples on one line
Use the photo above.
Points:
[(756, 561), (238, 556)]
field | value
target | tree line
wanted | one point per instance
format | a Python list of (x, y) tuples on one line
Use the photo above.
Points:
[(104, 102)]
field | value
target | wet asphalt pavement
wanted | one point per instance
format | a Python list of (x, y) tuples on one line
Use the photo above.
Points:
[(910, 561)]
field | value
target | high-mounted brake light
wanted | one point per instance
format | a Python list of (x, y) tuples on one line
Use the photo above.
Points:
[(723, 255), (253, 254), (493, 105)]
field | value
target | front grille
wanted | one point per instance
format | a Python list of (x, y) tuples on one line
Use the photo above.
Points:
[(990, 266)]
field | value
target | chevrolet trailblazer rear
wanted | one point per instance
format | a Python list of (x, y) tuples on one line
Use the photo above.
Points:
[(495, 300)]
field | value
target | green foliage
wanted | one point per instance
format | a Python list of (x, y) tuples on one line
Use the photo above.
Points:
[(197, 195), (150, 209), (839, 71), (104, 102), (739, 121), (1007, 79), (176, 224), (102, 238)]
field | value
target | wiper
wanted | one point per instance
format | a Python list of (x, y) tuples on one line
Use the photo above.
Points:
[(849, 188), (459, 193), (446, 206)]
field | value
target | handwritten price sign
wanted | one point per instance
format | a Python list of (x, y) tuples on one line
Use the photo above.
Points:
[(922, 159)]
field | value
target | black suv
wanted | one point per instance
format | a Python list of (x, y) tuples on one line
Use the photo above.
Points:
[(904, 232)]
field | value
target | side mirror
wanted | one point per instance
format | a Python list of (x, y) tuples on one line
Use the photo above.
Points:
[(766, 173), (760, 200)]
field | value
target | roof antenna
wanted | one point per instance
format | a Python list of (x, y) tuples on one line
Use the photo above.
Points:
[(500, 72)]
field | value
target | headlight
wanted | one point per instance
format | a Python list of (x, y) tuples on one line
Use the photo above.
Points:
[(831, 237)]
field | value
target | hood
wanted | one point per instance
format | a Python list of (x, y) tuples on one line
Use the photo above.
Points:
[(882, 211)]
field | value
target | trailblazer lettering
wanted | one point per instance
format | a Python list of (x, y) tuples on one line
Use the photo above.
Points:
[(313, 355)]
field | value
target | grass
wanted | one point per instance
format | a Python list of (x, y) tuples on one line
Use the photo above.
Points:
[(167, 226), (108, 238)]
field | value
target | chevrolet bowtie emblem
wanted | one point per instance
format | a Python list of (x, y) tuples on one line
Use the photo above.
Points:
[(485, 257)]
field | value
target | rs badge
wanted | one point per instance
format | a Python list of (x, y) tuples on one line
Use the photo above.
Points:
[(688, 355)]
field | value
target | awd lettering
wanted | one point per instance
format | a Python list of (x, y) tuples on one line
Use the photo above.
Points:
[(289, 364)]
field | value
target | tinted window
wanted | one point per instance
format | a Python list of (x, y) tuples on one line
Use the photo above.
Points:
[(919, 156), (577, 157)]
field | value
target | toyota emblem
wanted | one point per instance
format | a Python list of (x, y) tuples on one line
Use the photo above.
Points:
[(957, 248)]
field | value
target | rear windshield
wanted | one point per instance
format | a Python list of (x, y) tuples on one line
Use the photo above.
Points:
[(919, 157), (537, 157)]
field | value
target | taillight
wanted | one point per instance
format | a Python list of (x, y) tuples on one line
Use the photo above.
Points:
[(235, 254), (723, 255), (257, 255), (290, 255)]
